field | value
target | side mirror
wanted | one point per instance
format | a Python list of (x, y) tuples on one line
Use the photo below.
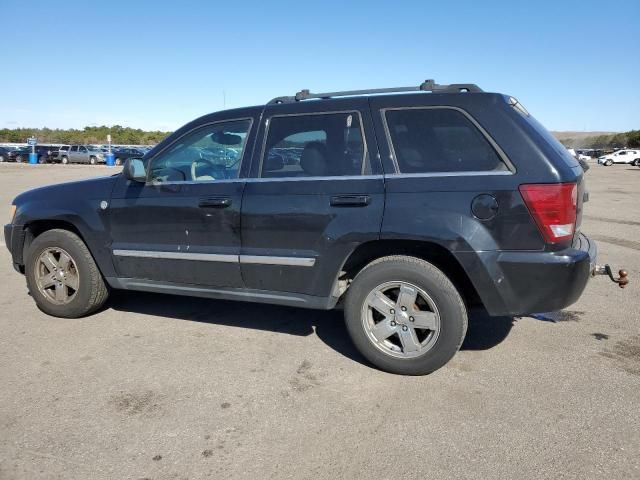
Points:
[(134, 170)]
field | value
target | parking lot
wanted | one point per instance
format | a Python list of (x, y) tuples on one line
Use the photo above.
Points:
[(163, 387)]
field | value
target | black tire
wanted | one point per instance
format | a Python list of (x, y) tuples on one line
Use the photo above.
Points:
[(42, 159), (64, 160), (449, 303), (92, 291), (608, 163), (92, 160), (636, 162), (118, 161), (1, 158), (19, 159)]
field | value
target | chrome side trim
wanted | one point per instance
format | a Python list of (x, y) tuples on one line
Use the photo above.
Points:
[(217, 257), (308, 179), (268, 260), (207, 257)]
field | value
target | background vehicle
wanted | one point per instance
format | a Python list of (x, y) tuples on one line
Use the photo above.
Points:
[(81, 154), (19, 154), (125, 153), (4, 154), (631, 157), (403, 206)]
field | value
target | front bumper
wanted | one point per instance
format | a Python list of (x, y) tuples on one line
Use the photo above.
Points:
[(14, 236), (520, 283)]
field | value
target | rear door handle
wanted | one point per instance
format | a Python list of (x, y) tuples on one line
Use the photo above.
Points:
[(221, 202), (350, 200)]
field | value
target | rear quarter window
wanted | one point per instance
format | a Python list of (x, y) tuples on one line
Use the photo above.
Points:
[(552, 141), (439, 140)]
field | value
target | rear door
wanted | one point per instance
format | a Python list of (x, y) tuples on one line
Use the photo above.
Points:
[(317, 193), (73, 154)]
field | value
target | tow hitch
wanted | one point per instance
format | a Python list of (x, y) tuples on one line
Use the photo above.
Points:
[(622, 280)]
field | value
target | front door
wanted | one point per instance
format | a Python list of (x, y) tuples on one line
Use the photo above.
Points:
[(316, 194), (183, 225)]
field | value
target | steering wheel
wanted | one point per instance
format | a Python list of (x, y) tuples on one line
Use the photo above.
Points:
[(201, 160)]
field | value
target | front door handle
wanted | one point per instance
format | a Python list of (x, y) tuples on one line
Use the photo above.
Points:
[(220, 202), (350, 200)]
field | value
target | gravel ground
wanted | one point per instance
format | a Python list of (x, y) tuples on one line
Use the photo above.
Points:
[(163, 387)]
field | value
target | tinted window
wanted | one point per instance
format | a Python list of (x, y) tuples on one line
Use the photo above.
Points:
[(74, 149), (314, 146), (212, 152), (439, 140)]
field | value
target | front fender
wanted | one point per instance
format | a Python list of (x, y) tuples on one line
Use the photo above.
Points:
[(78, 204)]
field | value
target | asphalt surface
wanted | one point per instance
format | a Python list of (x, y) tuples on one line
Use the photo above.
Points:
[(163, 387)]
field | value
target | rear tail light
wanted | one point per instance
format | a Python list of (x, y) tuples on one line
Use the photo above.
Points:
[(554, 208)]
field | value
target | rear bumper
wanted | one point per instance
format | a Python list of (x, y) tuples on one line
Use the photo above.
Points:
[(519, 283), (14, 236)]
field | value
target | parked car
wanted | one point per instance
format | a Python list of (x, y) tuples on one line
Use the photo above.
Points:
[(81, 154), (630, 157), (19, 154), (123, 154), (4, 153), (408, 209)]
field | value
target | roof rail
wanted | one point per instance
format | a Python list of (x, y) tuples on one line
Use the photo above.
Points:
[(426, 86)]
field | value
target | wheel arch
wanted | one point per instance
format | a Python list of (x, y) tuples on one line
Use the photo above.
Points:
[(431, 252), (35, 228)]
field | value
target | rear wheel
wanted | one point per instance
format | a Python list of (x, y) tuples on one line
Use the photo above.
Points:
[(118, 161), (64, 160), (42, 159), (405, 316), (608, 163), (19, 159), (1, 159), (62, 276), (636, 162), (92, 160)]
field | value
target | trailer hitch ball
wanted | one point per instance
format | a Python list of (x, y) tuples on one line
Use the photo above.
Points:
[(622, 279)]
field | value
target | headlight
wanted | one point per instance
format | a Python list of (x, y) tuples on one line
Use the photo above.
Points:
[(12, 213)]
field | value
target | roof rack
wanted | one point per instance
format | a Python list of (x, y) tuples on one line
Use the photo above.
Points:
[(426, 86)]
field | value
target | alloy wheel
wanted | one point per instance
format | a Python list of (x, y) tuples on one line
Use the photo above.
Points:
[(401, 319), (57, 276)]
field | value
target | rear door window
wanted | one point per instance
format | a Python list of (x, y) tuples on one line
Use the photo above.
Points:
[(439, 140), (314, 145)]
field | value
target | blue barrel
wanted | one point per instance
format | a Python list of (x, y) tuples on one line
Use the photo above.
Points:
[(33, 158), (111, 159)]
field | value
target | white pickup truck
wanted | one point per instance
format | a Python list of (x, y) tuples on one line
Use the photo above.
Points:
[(630, 157)]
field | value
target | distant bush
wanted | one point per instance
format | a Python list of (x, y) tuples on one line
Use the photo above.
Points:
[(89, 135), (630, 139)]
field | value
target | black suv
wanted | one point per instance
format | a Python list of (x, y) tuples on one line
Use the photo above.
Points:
[(406, 208)]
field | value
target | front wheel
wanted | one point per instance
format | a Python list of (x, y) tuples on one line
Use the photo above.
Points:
[(62, 276), (636, 162), (64, 160), (608, 163), (1, 159), (92, 160), (118, 161), (19, 159), (405, 316)]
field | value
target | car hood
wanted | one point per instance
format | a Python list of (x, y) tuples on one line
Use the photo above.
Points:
[(70, 192)]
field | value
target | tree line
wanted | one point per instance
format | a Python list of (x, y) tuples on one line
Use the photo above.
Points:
[(630, 139), (135, 136), (89, 135)]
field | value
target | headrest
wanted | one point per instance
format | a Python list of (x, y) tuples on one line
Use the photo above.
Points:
[(314, 159)]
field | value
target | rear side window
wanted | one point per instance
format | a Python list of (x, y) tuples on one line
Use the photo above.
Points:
[(314, 145), (439, 140)]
